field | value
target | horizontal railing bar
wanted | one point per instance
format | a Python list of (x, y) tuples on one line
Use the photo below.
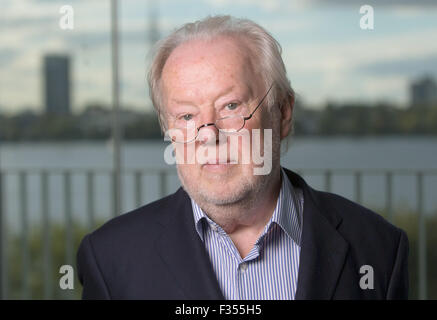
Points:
[(369, 171), (399, 171), (55, 171)]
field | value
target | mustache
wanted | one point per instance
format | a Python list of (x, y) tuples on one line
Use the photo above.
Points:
[(215, 155), (218, 161)]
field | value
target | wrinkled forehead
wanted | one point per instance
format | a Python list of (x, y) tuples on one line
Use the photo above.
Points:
[(199, 66)]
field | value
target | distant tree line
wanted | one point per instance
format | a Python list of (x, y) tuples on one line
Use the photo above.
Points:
[(364, 120), (93, 124), (335, 119)]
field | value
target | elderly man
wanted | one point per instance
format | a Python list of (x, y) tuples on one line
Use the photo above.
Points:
[(238, 228)]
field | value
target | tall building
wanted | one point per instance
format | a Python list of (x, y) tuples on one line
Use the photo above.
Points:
[(57, 84), (423, 92)]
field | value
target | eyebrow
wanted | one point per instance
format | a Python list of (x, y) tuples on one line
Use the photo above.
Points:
[(224, 92)]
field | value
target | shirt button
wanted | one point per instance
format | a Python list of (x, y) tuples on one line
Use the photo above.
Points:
[(214, 228), (243, 266)]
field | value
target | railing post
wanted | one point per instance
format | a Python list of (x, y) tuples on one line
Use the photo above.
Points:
[(422, 239), (358, 187), (138, 188), (47, 249), (389, 195), (116, 189), (68, 218), (90, 199), (328, 180), (24, 238), (163, 182)]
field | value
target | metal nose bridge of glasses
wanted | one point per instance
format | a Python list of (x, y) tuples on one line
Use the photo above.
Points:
[(215, 123)]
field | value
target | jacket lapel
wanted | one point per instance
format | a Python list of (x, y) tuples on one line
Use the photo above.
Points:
[(323, 250), (184, 255)]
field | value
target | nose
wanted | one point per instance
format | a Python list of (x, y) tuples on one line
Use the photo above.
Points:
[(208, 134)]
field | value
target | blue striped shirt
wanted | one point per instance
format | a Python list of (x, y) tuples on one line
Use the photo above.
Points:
[(270, 269)]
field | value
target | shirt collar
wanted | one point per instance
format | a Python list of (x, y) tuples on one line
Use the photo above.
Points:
[(287, 212), (286, 215)]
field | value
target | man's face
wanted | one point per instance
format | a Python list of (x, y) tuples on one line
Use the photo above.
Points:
[(202, 82)]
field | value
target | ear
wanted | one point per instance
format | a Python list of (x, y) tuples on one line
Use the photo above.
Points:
[(286, 109)]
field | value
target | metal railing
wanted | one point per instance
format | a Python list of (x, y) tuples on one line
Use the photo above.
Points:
[(89, 176)]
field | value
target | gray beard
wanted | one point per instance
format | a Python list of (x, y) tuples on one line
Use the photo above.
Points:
[(246, 195), (227, 212)]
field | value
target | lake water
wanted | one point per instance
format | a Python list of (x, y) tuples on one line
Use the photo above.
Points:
[(414, 153)]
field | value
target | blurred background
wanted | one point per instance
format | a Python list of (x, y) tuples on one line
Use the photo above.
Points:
[(80, 143)]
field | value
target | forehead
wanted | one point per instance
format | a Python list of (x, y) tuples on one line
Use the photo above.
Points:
[(205, 64)]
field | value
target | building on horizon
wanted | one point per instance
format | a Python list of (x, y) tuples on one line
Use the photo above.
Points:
[(423, 92), (57, 84)]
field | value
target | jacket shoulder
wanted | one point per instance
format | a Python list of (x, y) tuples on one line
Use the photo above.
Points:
[(141, 222), (354, 215), (367, 232)]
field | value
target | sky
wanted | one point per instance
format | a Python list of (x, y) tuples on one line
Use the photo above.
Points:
[(327, 55)]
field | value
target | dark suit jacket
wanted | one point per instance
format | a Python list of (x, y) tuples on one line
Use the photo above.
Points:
[(154, 252)]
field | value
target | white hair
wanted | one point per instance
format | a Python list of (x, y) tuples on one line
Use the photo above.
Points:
[(264, 49)]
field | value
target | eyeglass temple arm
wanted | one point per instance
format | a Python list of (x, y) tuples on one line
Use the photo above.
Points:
[(260, 103)]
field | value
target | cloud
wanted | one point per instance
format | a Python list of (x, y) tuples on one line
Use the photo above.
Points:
[(7, 55), (352, 53), (269, 6), (301, 5), (377, 3), (365, 68)]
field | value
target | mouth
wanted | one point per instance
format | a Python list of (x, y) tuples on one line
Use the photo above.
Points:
[(218, 165)]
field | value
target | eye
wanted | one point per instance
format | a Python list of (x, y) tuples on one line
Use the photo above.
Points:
[(232, 106), (187, 117)]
